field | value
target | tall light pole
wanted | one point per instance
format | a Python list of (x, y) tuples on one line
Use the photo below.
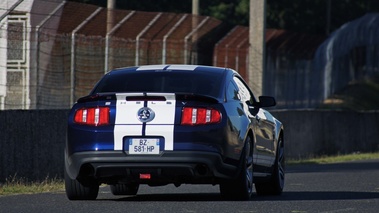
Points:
[(195, 22), (257, 45), (195, 7), (110, 7), (110, 23)]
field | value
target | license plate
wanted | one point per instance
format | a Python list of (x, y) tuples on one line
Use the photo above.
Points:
[(144, 146)]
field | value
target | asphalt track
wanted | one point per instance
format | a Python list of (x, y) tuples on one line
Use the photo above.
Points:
[(342, 187)]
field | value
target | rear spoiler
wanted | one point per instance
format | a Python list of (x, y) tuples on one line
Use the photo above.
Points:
[(97, 97), (178, 96), (196, 97)]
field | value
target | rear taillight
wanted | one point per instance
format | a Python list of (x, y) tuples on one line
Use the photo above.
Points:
[(93, 116), (199, 116)]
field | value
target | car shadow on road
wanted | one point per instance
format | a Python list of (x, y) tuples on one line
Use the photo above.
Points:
[(286, 196), (174, 197)]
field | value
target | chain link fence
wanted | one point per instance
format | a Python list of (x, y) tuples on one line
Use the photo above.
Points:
[(301, 70), (52, 52), (288, 64), (48, 61)]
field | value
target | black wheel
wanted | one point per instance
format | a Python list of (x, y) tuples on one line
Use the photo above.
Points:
[(242, 187), (276, 184), (124, 189), (76, 190)]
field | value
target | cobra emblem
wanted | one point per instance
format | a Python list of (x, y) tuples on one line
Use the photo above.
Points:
[(145, 114)]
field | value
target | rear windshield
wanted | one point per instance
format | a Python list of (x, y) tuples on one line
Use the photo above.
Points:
[(196, 82)]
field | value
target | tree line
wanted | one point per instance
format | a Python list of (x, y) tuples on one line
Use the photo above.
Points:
[(308, 16)]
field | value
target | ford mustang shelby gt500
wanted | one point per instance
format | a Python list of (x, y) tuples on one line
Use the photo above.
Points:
[(179, 124)]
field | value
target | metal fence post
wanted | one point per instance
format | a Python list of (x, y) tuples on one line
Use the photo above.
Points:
[(164, 51), (11, 9), (107, 37), (38, 46), (186, 61), (72, 74), (141, 34)]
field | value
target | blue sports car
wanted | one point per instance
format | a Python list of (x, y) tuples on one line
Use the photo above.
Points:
[(173, 124)]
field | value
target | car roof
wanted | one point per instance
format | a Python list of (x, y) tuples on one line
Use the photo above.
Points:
[(210, 79), (173, 67)]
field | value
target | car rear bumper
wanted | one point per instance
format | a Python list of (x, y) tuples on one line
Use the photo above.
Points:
[(169, 167)]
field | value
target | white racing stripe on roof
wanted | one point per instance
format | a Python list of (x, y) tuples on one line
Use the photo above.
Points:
[(182, 67), (168, 67), (152, 67)]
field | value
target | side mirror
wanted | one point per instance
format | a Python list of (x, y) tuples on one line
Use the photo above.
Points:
[(266, 101)]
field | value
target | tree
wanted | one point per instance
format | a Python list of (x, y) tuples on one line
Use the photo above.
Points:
[(308, 16), (311, 15)]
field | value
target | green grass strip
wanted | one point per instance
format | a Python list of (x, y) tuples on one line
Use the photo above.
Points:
[(336, 159), (17, 185)]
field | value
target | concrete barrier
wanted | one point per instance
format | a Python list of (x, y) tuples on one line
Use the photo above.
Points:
[(32, 141), (310, 133)]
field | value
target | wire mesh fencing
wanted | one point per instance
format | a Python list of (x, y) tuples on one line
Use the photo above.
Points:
[(301, 71), (51, 62), (54, 52)]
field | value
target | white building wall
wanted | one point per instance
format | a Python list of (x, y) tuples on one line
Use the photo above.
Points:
[(18, 49), (3, 62)]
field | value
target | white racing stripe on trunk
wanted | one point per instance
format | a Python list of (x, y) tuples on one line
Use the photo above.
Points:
[(163, 123), (126, 111), (127, 123), (167, 131), (164, 110), (120, 131)]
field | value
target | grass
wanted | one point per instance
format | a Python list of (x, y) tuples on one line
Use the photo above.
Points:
[(337, 158), (16, 185)]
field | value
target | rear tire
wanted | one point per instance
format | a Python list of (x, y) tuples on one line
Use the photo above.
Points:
[(124, 189), (242, 187), (276, 184), (76, 190)]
